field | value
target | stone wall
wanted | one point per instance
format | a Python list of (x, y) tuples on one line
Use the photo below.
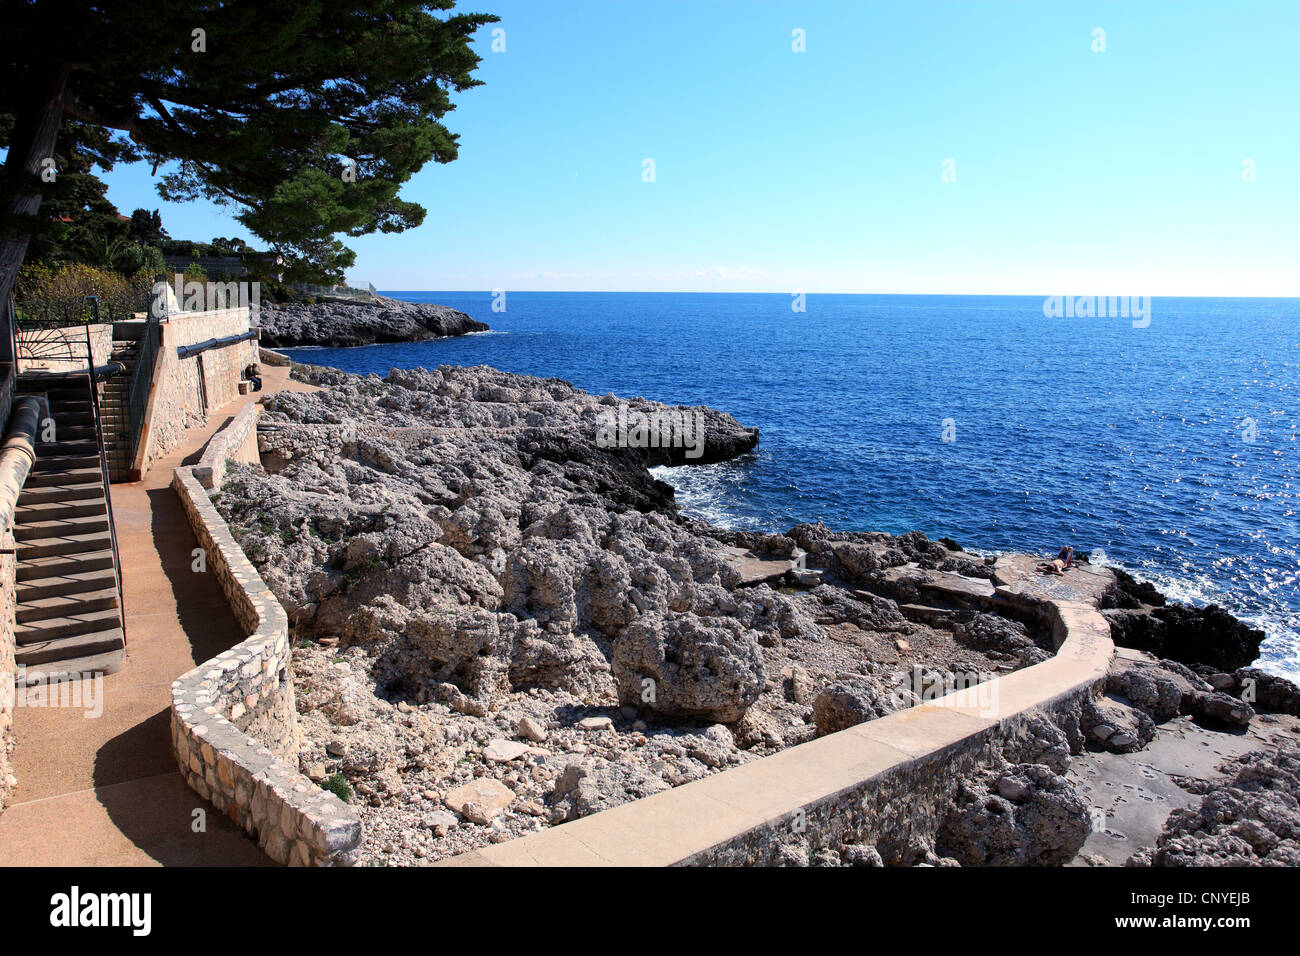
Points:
[(49, 344), (880, 782), (234, 724), (186, 390), (272, 357), (17, 455), (236, 442)]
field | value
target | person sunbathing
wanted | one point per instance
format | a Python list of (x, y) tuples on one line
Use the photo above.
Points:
[(1064, 559)]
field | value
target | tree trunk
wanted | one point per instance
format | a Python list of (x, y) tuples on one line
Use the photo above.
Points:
[(39, 113)]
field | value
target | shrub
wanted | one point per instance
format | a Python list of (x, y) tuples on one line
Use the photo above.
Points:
[(338, 785), (59, 294)]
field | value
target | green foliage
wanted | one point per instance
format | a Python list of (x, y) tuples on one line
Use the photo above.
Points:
[(59, 292), (307, 118), (146, 228), (76, 221), (338, 785)]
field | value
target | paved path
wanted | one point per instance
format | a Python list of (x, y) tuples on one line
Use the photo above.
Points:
[(105, 791)]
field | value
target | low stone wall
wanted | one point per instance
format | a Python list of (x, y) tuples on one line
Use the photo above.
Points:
[(186, 390), (272, 357), (881, 782), (234, 724), (236, 442), (17, 456)]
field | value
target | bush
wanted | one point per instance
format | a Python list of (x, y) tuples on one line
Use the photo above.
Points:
[(59, 294), (338, 785)]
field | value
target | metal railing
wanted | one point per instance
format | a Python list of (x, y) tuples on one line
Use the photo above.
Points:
[(142, 382), (93, 376)]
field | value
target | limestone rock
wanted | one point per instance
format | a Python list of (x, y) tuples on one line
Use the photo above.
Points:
[(480, 800), (846, 703), (1022, 815)]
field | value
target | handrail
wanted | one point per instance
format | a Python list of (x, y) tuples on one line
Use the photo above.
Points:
[(185, 351), (142, 382), (93, 386)]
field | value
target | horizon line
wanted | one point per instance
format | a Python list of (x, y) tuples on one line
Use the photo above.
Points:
[(787, 292)]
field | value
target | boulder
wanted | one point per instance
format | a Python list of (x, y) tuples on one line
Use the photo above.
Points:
[(1021, 815)]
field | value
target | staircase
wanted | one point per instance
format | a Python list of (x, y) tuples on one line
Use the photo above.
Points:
[(69, 613), (115, 401)]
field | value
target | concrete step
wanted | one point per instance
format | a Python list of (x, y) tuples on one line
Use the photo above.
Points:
[(65, 650), (73, 420), (59, 510), (74, 668), (70, 606), (63, 565), (73, 625), (70, 544), (65, 447), (65, 462), (57, 494), (60, 585), (61, 527), (74, 432), (68, 476)]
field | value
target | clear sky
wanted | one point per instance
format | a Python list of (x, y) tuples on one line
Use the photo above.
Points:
[(1076, 172)]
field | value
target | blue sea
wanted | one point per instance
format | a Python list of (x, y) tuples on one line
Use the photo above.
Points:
[(1170, 448)]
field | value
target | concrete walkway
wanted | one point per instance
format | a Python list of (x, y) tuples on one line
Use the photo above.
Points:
[(104, 790)]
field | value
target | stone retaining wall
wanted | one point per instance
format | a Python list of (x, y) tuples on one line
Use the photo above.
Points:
[(236, 442), (234, 725), (272, 357), (17, 456), (881, 782)]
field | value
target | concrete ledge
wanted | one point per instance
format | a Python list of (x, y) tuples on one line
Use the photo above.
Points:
[(229, 444), (880, 782), (272, 357), (234, 728)]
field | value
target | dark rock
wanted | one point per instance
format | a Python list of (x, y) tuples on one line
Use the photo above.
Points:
[(847, 703), (343, 324), (1253, 820), (1208, 635), (1021, 815)]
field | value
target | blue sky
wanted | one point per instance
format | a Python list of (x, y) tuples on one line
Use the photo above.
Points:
[(1077, 172)]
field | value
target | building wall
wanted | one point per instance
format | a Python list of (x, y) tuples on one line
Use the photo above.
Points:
[(187, 390)]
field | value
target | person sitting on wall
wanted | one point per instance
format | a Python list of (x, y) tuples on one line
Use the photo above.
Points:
[(254, 374)]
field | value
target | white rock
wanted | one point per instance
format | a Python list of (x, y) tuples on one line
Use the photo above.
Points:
[(480, 800), (504, 751), (530, 729), (595, 723)]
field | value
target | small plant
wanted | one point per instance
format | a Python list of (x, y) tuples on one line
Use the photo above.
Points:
[(338, 785)]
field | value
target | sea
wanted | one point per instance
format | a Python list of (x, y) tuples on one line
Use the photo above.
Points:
[(1163, 441)]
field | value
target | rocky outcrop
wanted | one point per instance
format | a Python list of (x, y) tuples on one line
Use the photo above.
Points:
[(1020, 815), (339, 323), (1141, 618), (1252, 820)]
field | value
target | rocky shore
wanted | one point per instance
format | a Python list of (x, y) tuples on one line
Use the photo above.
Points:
[(503, 622), (340, 323)]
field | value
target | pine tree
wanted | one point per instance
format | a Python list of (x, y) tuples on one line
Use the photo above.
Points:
[(306, 117)]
